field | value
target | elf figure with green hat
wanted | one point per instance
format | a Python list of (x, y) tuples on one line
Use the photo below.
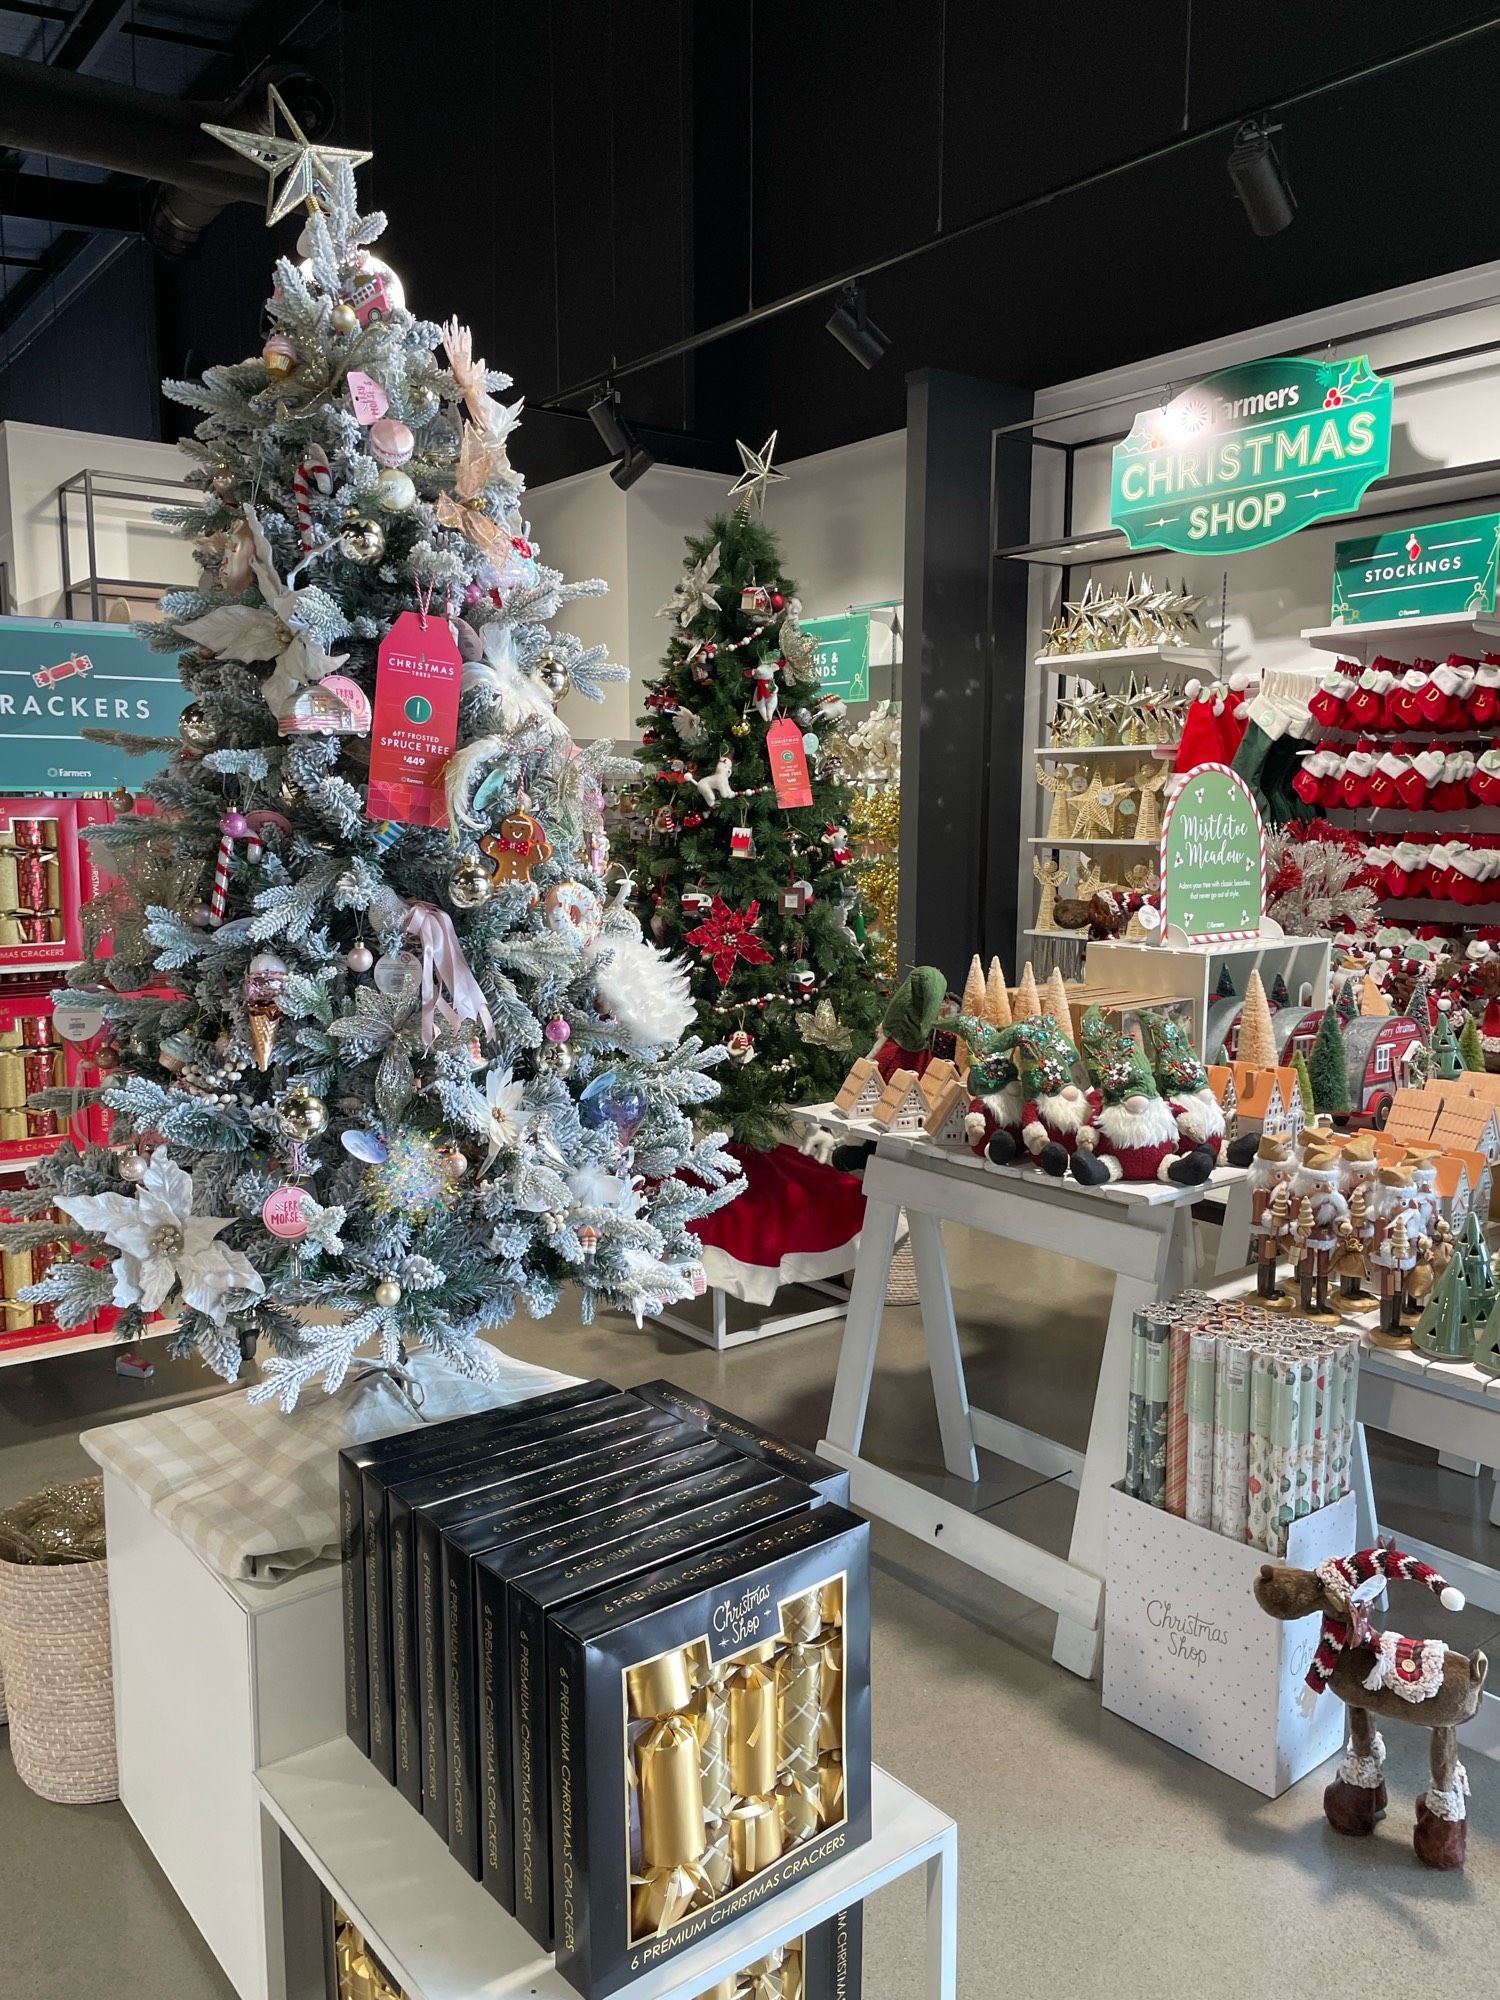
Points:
[(1134, 1135), (1055, 1111)]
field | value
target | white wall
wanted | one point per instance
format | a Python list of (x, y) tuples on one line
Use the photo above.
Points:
[(35, 459), (840, 518)]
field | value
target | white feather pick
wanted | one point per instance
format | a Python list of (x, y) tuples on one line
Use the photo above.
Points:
[(460, 773), (643, 990), (516, 700)]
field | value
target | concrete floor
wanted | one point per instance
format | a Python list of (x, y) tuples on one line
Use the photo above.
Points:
[(1095, 1860)]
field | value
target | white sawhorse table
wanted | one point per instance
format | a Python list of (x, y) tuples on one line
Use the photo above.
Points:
[(1143, 1233)]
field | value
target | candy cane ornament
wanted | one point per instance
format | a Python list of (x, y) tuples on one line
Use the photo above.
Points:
[(232, 827), (314, 473)]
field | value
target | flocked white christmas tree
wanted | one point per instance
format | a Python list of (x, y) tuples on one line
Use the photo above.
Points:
[(408, 1065)]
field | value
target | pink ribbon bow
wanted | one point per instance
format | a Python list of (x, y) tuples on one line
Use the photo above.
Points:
[(449, 988)]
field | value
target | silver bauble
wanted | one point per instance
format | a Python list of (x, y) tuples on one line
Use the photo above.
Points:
[(133, 1166), (196, 726), (200, 916), (359, 957), (388, 1293), (557, 1057), (362, 540), (301, 1114), (553, 675), (470, 884), (394, 490)]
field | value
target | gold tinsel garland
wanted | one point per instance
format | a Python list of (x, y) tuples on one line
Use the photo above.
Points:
[(875, 823)]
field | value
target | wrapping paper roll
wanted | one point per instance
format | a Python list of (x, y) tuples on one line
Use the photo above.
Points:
[(1234, 1361), (1262, 1515), (660, 1686), (754, 1837), (801, 1812), (752, 1730), (1202, 1356), (663, 1896), (1154, 1413), (802, 1617), (831, 1787), (1177, 1418), (831, 1690), (1135, 1403), (716, 1861), (711, 1715), (671, 1780), (799, 1701), (1286, 1409)]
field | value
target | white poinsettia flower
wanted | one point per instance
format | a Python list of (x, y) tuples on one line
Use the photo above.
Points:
[(502, 1098), (163, 1245), (592, 1187)]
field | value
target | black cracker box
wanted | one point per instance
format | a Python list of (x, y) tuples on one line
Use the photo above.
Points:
[(710, 1725), (513, 1589), (354, 1459), (829, 1481), (832, 1958), (502, 1461), (595, 1483)]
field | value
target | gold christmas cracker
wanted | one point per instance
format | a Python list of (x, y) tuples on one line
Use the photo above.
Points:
[(831, 1689), (799, 1694), (802, 1618), (752, 1730), (831, 1787), (800, 1810), (716, 1860), (12, 1081), (663, 1896), (16, 1266), (831, 1601), (754, 1837), (711, 1714), (10, 901), (657, 1687), (766, 1979), (672, 1829), (793, 1981)]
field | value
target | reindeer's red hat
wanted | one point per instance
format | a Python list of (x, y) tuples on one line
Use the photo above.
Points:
[(1348, 1576)]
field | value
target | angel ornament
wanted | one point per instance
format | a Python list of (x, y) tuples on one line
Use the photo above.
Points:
[(281, 631), (1150, 782), (1060, 785), (1048, 873)]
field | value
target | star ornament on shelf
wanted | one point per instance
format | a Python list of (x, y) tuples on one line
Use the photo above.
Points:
[(757, 475), (306, 164), (725, 935)]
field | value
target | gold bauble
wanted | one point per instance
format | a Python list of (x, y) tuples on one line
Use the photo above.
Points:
[(362, 540), (739, 729), (344, 319), (470, 884), (302, 1114)]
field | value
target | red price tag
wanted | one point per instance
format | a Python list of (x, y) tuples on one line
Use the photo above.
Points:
[(417, 680), (788, 764)]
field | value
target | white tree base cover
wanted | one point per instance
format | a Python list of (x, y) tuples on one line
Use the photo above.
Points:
[(255, 1492)]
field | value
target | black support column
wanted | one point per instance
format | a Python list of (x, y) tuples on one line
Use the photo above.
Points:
[(963, 752)]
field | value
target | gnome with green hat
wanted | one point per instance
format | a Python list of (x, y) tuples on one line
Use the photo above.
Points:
[(1134, 1134), (1183, 1082), (1055, 1110)]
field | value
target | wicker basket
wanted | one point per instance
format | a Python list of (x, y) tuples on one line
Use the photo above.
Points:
[(54, 1639), (901, 1285)]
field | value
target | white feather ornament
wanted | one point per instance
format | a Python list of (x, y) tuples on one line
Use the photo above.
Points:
[(516, 699), (643, 990)]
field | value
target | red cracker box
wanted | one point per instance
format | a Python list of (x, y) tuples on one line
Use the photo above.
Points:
[(34, 1057)]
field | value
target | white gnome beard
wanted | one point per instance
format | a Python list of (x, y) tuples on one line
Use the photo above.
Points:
[(1005, 1106), (1201, 1117), (1153, 1126), (1064, 1114)]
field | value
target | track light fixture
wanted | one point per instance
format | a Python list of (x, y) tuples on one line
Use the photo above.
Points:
[(853, 329), (1259, 180), (619, 440)]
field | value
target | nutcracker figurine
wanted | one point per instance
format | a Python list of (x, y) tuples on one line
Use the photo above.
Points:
[(1316, 1183), (1394, 1251), (1359, 1166), (1270, 1211)]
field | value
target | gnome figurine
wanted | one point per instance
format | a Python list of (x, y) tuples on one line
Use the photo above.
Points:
[(1054, 1111), (1183, 1081), (1316, 1182), (1134, 1134)]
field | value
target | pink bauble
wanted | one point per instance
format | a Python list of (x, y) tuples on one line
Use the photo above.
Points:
[(391, 441), (557, 1030), (235, 825), (472, 593)]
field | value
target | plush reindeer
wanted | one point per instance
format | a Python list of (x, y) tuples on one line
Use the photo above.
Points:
[(1380, 1673)]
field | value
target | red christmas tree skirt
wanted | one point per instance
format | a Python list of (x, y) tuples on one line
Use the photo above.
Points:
[(797, 1219)]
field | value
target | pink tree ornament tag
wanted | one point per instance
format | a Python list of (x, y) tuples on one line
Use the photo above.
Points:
[(285, 1214), (369, 399)]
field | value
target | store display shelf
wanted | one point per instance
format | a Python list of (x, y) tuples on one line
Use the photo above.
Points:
[(45, 1349), (1061, 750), (24, 1163), (1193, 659), (1408, 638), (1067, 937), (1108, 840), (444, 1938)]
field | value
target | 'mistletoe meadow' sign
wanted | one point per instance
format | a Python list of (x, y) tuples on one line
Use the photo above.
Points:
[(1250, 454), (1213, 858)]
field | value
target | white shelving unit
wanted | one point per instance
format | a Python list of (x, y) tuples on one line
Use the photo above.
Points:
[(1060, 753), (1104, 840), (444, 1938), (1408, 638), (1130, 659)]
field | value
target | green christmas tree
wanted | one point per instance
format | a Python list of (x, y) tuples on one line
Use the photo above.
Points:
[(1299, 1064), (1225, 988), (760, 895), (1279, 995), (1347, 1004), (1479, 1274), (1328, 1065), (401, 1070), (1446, 1329), (1444, 1058), (1471, 1045)]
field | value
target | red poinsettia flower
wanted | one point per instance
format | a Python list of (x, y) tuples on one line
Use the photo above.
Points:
[(725, 935)]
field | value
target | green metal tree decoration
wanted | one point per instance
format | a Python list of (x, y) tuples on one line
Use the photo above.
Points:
[(1444, 1057), (1328, 1065), (1479, 1270), (1446, 1329)]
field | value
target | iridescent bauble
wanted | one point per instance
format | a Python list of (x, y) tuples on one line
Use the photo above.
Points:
[(394, 491), (388, 1293), (390, 441), (359, 957), (301, 1114), (235, 825), (133, 1166), (362, 540), (344, 319), (196, 726), (553, 675), (810, 744), (470, 884), (612, 1100), (280, 357)]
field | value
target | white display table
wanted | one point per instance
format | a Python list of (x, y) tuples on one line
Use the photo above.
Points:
[(444, 1938)]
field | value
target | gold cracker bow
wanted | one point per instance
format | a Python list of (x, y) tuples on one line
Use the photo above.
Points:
[(479, 465)]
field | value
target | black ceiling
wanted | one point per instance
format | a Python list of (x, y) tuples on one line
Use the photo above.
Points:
[(590, 180)]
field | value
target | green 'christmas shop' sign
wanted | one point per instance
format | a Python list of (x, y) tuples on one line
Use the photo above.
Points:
[(1250, 454), (1436, 569), (841, 654), (60, 676), (1213, 858)]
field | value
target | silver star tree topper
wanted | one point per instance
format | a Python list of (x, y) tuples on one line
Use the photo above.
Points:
[(307, 166)]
